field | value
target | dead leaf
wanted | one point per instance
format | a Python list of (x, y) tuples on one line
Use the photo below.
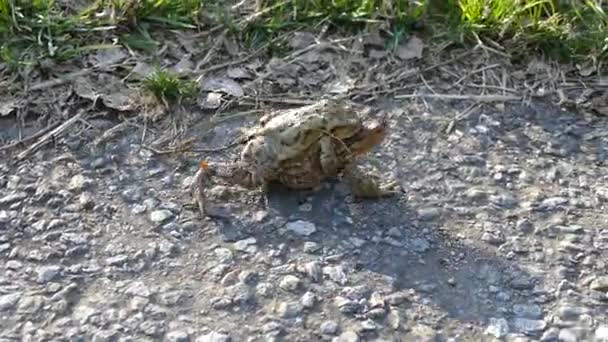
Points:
[(586, 69), (7, 108), (110, 56), (537, 66), (412, 49), (223, 84), (142, 70), (341, 86), (108, 88), (184, 66), (84, 88), (212, 101), (238, 73), (602, 110), (302, 40), (377, 54)]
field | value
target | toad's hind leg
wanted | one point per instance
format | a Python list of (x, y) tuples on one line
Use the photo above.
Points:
[(367, 185), (327, 156)]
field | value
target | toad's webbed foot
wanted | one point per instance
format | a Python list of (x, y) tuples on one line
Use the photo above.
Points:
[(368, 185)]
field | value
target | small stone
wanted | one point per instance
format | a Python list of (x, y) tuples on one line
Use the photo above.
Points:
[(495, 238), (346, 306), (9, 301), (12, 198), (552, 203), (14, 265), (498, 327), (394, 319), (599, 284), (311, 247), (550, 335), (420, 245), (78, 183), (357, 242), (336, 273), (424, 333), (347, 336), (313, 270), (529, 326), (521, 283), (527, 310), (289, 283), (86, 201), (247, 276), (567, 335), (117, 260), (601, 333), (328, 328), (177, 336), (300, 227), (308, 300), (395, 232), (272, 328), (369, 325), (213, 337), (246, 245), (525, 226), (161, 216), (48, 273), (289, 310), (139, 289), (427, 214), (224, 255)]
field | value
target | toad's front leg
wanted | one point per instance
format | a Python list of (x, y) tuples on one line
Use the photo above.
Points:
[(327, 156), (367, 185)]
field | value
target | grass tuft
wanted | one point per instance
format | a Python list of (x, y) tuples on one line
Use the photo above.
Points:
[(169, 88)]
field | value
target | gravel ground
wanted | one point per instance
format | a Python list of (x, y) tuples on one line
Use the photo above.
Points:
[(500, 234)]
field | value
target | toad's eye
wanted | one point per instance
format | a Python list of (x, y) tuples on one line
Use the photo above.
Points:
[(204, 165)]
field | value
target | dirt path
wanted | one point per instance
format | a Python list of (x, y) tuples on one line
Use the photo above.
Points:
[(500, 233)]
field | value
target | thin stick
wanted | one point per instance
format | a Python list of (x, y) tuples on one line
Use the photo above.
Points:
[(51, 135), (31, 137), (479, 98)]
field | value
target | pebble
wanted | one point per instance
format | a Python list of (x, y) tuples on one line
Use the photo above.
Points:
[(117, 260), (347, 336), (224, 255), (86, 201), (599, 284), (300, 227), (550, 335), (336, 273), (308, 300), (9, 301), (47, 273), (289, 310), (246, 245), (552, 203), (12, 198), (214, 337), (529, 326), (420, 245), (313, 270), (527, 310), (601, 333), (161, 216), (328, 328), (567, 335), (311, 247), (289, 283), (427, 214), (78, 183), (498, 327)]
